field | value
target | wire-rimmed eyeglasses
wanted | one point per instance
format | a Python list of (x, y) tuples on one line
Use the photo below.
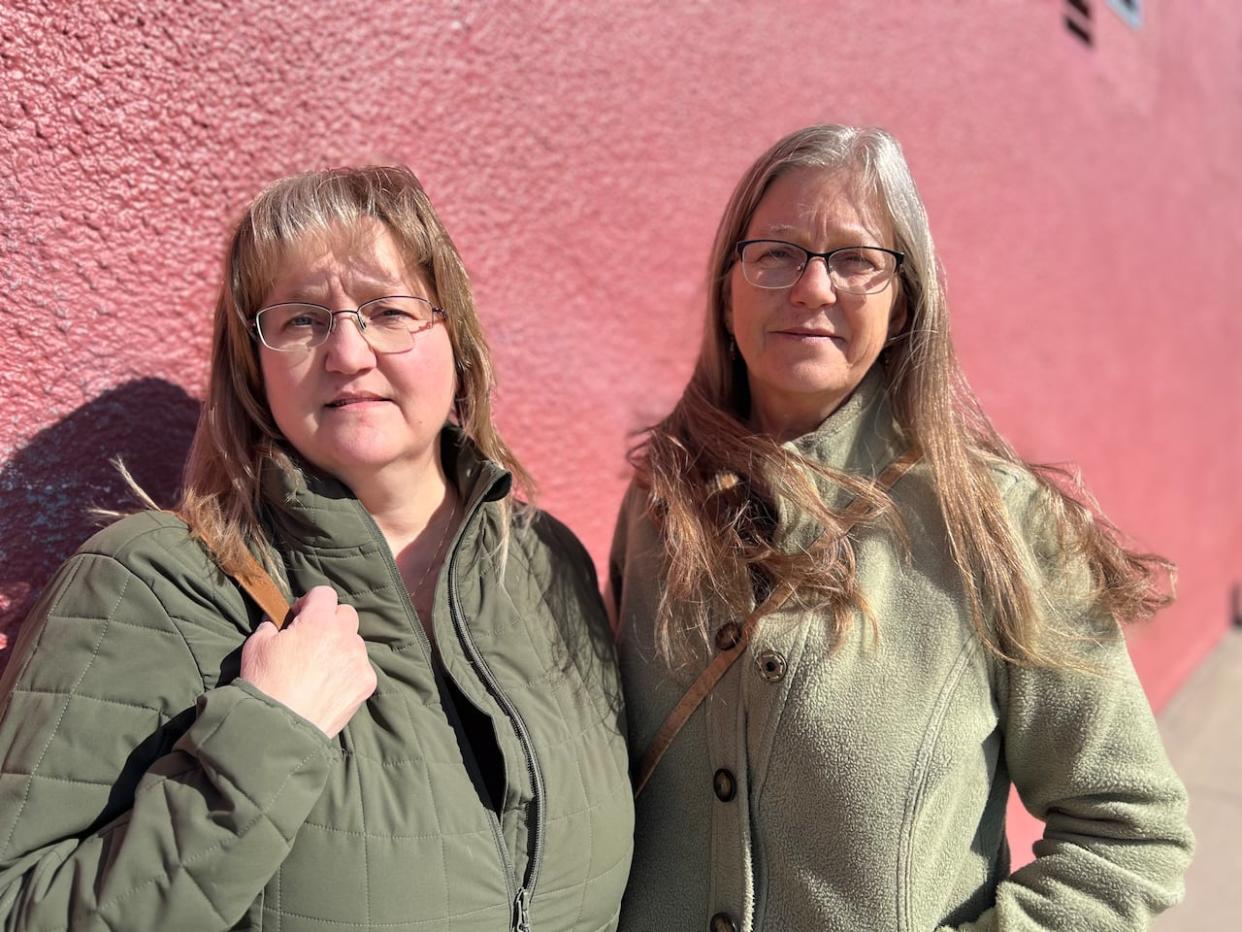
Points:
[(771, 263), (388, 324)]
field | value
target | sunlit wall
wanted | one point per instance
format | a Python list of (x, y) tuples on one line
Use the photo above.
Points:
[(1084, 194)]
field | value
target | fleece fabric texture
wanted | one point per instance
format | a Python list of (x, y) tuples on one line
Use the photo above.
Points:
[(143, 787), (871, 780)]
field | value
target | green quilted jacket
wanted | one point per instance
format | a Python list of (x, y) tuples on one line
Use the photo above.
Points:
[(143, 787)]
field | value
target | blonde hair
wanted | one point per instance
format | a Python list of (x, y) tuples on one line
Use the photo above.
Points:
[(236, 437), (711, 480)]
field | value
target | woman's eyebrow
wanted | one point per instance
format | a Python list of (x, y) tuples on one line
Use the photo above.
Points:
[(372, 286), (302, 294), (359, 278), (784, 229)]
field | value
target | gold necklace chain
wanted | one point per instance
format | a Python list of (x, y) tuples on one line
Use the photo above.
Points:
[(435, 557)]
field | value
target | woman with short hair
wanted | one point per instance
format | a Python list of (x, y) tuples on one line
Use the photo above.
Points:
[(434, 740), (850, 614)]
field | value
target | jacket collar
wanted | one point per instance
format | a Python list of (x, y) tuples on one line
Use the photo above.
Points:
[(861, 436), (320, 511)]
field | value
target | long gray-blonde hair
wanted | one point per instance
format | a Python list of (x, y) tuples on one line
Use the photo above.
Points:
[(709, 475), (236, 436)]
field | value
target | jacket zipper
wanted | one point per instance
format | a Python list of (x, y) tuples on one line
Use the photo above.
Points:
[(521, 904), (521, 920), (521, 912)]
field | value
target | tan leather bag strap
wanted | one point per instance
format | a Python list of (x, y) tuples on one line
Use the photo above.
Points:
[(257, 583), (260, 586), (728, 655)]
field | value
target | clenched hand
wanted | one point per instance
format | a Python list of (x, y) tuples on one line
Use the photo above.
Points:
[(316, 665)]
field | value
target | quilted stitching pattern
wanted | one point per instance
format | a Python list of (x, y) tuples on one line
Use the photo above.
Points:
[(114, 813), (406, 755), (385, 831)]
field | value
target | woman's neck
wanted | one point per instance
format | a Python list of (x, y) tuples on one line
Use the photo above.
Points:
[(417, 511), (788, 419), (405, 501)]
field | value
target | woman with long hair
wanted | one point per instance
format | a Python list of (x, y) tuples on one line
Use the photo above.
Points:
[(434, 740), (850, 615)]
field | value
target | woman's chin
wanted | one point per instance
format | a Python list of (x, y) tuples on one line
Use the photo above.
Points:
[(350, 461), (808, 380)]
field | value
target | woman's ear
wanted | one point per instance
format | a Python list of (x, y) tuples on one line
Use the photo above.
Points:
[(898, 316), (897, 320), (725, 299)]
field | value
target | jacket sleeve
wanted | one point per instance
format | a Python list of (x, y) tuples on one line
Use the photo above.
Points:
[(130, 797), (1083, 751), (573, 591)]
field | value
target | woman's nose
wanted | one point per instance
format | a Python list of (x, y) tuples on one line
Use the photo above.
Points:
[(346, 348), (814, 286)]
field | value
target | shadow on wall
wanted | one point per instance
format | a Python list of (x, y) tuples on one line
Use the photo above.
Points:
[(50, 485)]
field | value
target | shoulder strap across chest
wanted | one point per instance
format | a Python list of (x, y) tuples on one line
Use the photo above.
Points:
[(721, 663)]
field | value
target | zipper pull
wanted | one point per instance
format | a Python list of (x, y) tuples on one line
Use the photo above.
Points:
[(521, 912)]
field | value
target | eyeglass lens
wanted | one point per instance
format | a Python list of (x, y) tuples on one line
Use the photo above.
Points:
[(389, 325), (856, 269)]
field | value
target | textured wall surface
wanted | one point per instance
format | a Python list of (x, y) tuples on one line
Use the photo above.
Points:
[(1085, 200)]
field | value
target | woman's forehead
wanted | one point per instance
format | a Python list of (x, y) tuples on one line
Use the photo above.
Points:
[(364, 252), (358, 240), (808, 201)]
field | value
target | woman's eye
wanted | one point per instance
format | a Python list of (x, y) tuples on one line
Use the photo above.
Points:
[(390, 316), (777, 254), (300, 322), (855, 261)]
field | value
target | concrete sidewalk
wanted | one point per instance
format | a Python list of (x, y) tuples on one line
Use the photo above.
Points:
[(1202, 729)]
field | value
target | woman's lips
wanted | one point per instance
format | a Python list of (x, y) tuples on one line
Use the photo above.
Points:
[(809, 335), (346, 401)]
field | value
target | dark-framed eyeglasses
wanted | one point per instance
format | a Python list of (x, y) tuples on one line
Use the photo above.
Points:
[(771, 263), (388, 324)]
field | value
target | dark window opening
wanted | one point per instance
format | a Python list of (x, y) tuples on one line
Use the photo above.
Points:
[(1077, 20)]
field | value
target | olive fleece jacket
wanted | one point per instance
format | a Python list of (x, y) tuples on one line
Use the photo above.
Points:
[(869, 783), (143, 787)]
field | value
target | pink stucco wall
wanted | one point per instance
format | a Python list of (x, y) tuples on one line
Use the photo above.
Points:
[(1085, 199)]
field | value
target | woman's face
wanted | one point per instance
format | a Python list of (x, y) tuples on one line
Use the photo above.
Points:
[(348, 410), (808, 346)]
